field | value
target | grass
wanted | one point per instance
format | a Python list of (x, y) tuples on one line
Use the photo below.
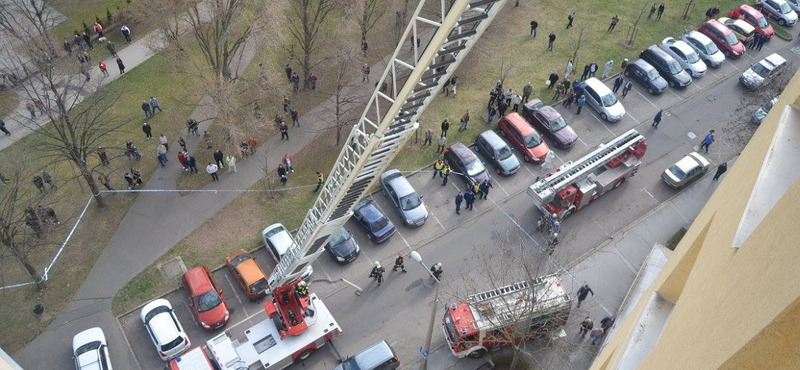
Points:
[(8, 102), (781, 31), (78, 12)]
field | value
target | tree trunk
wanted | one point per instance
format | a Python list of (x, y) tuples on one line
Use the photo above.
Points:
[(87, 175), (23, 259)]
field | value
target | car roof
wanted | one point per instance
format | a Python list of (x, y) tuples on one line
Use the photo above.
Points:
[(774, 59), (680, 45), (749, 9), (162, 326), (282, 239), (493, 139), (463, 152), (520, 123), (718, 26), (549, 113), (746, 27), (398, 182), (249, 269), (597, 85), (197, 280), (370, 212), (643, 65), (699, 36), (374, 355), (87, 336), (659, 52)]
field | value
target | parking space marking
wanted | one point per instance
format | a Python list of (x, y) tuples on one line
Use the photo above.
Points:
[(235, 294), (645, 99), (437, 221), (501, 188), (648, 193), (673, 93), (584, 143), (714, 74), (750, 56), (191, 314), (732, 65), (531, 172)]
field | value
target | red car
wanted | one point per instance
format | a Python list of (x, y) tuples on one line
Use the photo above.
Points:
[(205, 298), (725, 39), (523, 137), (750, 15)]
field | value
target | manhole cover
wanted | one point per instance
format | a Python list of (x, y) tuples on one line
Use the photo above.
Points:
[(795, 49), (173, 268), (711, 98), (691, 135)]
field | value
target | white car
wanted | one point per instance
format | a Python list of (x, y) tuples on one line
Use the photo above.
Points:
[(779, 10), (90, 350), (794, 4), (164, 329), (277, 240), (705, 48), (685, 55), (690, 167), (761, 72)]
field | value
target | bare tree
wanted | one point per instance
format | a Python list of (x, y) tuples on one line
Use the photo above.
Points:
[(372, 13), (305, 22), (345, 102), (505, 70), (578, 45), (632, 34)]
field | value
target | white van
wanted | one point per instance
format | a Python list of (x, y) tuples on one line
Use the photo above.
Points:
[(600, 97)]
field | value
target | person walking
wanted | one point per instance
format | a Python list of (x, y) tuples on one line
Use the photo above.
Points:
[(459, 199), (607, 69), (399, 263), (722, 168), (377, 273), (146, 109), (287, 107), (438, 166), (617, 83), (103, 180), (551, 40), (445, 126), (32, 108), (652, 11), (581, 103), (484, 189), (614, 21), (103, 68), (583, 292), (101, 152), (526, 92), (437, 271), (148, 131), (570, 18), (212, 170), (534, 25), (182, 143), (469, 199), (112, 48), (660, 11), (657, 118), (428, 137), (284, 131), (445, 174), (454, 83), (120, 65), (164, 141), (320, 181), (586, 326), (126, 32), (365, 73), (182, 159), (295, 82), (465, 119), (708, 140), (441, 142), (312, 80), (252, 144), (3, 128), (154, 105), (162, 155), (281, 170), (596, 334), (218, 157), (628, 87), (208, 140), (552, 80), (295, 119), (288, 160)]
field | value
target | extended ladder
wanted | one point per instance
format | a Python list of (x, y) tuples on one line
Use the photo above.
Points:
[(503, 304), (388, 120)]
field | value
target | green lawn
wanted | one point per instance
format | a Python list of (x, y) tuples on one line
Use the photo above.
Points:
[(8, 102)]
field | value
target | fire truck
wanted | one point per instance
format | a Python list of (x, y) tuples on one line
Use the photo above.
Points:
[(577, 183), (272, 344), (513, 313)]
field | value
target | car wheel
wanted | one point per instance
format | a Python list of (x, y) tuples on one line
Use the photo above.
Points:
[(499, 171), (782, 22), (477, 354), (604, 116), (672, 84), (627, 73), (650, 90), (726, 53), (526, 158), (305, 355)]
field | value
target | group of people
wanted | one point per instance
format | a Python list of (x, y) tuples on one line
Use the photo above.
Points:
[(478, 190), (376, 274), (40, 179), (40, 219), (587, 326)]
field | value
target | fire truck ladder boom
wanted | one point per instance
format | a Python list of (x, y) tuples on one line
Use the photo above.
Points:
[(571, 172), (502, 302), (389, 119)]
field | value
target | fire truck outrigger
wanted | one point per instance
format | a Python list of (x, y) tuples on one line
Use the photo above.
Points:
[(515, 312), (576, 184)]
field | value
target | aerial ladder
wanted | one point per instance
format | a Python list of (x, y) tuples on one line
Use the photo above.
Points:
[(577, 183)]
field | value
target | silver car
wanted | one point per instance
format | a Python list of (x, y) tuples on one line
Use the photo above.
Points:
[(690, 167), (763, 110), (278, 240), (705, 48), (760, 73), (685, 55), (404, 198), (779, 10)]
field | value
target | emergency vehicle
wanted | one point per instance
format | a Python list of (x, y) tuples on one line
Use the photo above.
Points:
[(193, 359), (577, 183), (495, 318)]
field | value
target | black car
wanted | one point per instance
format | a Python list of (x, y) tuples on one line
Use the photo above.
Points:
[(379, 228), (462, 160), (547, 120), (645, 74), (667, 66), (342, 247)]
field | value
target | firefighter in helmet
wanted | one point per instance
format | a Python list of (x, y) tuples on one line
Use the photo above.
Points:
[(436, 270), (302, 289), (398, 263), (377, 273)]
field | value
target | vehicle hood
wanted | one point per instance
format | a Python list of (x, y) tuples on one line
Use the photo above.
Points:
[(540, 151), (510, 163), (659, 84), (417, 214), (751, 78), (616, 111), (716, 58), (215, 315), (683, 78), (699, 66), (480, 177), (566, 136), (345, 248)]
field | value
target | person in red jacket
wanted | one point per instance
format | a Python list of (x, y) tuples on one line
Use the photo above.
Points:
[(182, 159), (104, 68)]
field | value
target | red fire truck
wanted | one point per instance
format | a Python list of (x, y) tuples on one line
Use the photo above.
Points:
[(506, 315), (576, 184)]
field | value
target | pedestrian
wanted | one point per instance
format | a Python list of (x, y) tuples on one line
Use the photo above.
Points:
[(212, 170), (607, 69), (761, 41), (101, 152), (164, 141), (252, 143), (534, 25), (469, 199), (3, 128), (148, 131), (568, 70), (67, 47), (146, 109), (48, 180), (103, 68), (120, 65), (551, 39), (624, 64), (484, 188), (33, 222), (295, 82), (218, 158), (126, 32), (660, 11), (454, 84), (320, 181), (182, 143), (191, 163), (526, 92), (192, 127), (208, 140), (617, 83), (459, 199), (465, 119), (652, 11), (516, 100), (491, 113), (570, 98), (103, 180), (162, 155), (552, 80), (428, 137), (581, 103), (722, 168), (607, 322), (399, 263), (614, 21), (182, 159), (154, 105), (365, 73), (445, 126), (438, 166), (570, 18), (583, 292), (708, 140), (596, 334), (284, 131), (281, 170), (287, 107), (112, 48), (592, 69), (231, 161), (284, 180), (312, 81), (752, 43), (377, 273), (98, 29), (38, 182), (657, 118), (586, 326), (295, 120), (501, 108), (437, 271), (585, 74), (441, 142), (288, 71), (88, 40), (628, 87), (508, 96), (446, 174), (446, 87), (559, 92)]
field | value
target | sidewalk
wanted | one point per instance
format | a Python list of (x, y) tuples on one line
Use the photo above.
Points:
[(610, 270)]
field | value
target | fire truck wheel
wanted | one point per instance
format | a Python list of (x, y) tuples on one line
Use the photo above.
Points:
[(477, 354), (305, 355)]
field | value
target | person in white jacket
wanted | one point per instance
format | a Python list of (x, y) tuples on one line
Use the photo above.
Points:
[(231, 161)]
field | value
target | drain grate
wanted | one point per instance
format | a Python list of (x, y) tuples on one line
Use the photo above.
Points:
[(172, 268)]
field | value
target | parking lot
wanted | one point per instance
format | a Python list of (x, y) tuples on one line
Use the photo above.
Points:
[(664, 149)]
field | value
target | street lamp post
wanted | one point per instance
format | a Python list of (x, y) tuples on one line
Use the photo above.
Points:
[(416, 257)]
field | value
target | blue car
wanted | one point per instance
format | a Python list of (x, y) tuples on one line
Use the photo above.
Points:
[(379, 228)]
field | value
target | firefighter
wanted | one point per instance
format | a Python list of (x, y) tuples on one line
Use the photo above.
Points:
[(586, 326), (446, 172), (476, 188), (320, 181), (398, 263), (302, 289), (551, 219), (377, 273), (542, 224), (438, 166), (436, 270)]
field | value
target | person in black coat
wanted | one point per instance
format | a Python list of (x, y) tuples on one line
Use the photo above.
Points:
[(120, 65), (445, 127), (218, 157)]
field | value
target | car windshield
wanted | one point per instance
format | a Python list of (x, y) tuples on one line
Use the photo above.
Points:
[(273, 232), (785, 8), (760, 70), (767, 107), (239, 259), (379, 225), (692, 57), (762, 22), (154, 312), (340, 237), (652, 74), (533, 140), (350, 364), (410, 201), (207, 301), (731, 39), (504, 153), (475, 168), (711, 48), (677, 171), (175, 342), (674, 67), (609, 100), (258, 286), (91, 346), (558, 124)]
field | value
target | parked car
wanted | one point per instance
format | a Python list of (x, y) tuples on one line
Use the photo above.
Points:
[(342, 247), (705, 48), (743, 30), (645, 74), (690, 167), (794, 4), (205, 298), (685, 56), (724, 38), (164, 329), (603, 100), (404, 198), (666, 66), (548, 121), (498, 152), (752, 16), (762, 72), (462, 160), (90, 350), (523, 137), (763, 110), (277, 241), (378, 227), (378, 356), (778, 10), (253, 281)]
